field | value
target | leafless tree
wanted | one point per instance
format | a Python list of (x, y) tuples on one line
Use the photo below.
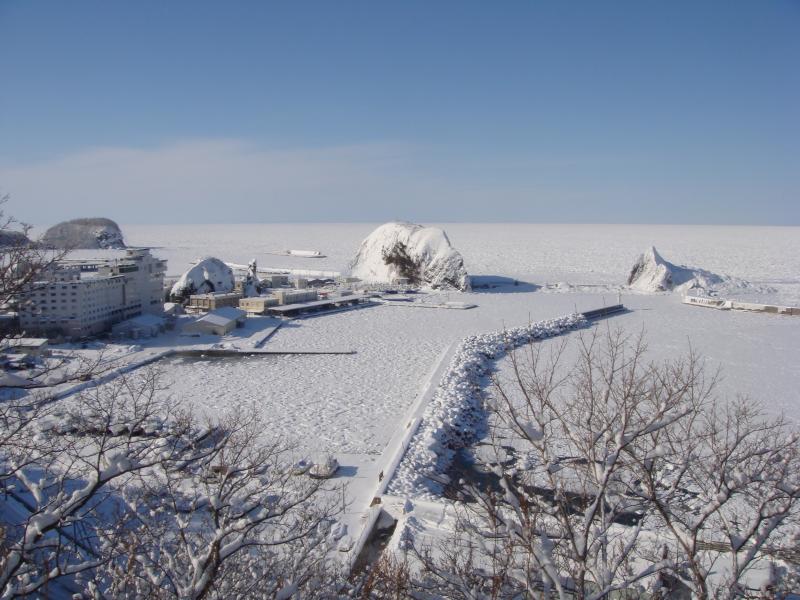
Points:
[(615, 475), (118, 491), (61, 465), (22, 260), (236, 523)]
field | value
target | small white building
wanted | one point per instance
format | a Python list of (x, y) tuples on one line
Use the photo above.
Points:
[(217, 322), (275, 280), (29, 346), (256, 305), (294, 296), (83, 297)]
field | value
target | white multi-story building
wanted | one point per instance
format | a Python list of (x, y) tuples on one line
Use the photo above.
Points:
[(77, 298)]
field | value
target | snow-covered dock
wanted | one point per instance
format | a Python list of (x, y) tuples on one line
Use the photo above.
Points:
[(445, 305), (317, 306), (219, 352), (722, 304)]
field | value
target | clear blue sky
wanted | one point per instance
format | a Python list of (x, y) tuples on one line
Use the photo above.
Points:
[(645, 112)]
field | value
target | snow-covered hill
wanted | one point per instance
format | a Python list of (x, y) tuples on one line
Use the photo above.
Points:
[(208, 275), (94, 233), (424, 255), (651, 273)]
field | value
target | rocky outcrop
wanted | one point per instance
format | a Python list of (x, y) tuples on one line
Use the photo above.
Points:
[(84, 233), (651, 273), (208, 275), (423, 255)]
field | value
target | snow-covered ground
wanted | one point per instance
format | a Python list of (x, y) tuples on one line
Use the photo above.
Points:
[(351, 403), (354, 405)]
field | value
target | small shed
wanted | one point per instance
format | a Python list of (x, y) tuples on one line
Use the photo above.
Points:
[(217, 322), (29, 346), (256, 305)]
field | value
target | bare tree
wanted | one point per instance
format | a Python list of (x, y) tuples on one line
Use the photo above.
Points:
[(618, 475), (119, 491), (60, 487), (236, 523), (22, 260)]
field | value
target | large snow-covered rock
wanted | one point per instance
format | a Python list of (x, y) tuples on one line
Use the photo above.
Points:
[(84, 233), (651, 273), (421, 254), (208, 275)]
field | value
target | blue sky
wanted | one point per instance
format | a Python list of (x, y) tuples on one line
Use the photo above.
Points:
[(170, 112)]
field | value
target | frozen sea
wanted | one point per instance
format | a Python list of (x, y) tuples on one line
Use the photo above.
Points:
[(355, 406), (576, 254), (354, 403)]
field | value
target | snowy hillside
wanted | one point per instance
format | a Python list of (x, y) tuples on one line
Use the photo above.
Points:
[(421, 254), (651, 273), (208, 275), (95, 233)]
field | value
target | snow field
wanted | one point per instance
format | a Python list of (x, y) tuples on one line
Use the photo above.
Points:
[(576, 254)]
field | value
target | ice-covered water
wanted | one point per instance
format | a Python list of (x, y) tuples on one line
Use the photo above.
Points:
[(577, 254)]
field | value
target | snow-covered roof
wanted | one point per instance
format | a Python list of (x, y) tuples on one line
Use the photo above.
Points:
[(142, 321), (231, 312), (23, 343), (223, 316)]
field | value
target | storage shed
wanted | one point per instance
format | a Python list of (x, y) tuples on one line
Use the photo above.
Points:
[(217, 322)]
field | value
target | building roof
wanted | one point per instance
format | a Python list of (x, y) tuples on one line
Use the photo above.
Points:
[(298, 306), (222, 316), (145, 320), (217, 295), (23, 343), (229, 312)]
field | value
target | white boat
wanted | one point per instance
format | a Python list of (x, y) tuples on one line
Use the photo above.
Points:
[(306, 253)]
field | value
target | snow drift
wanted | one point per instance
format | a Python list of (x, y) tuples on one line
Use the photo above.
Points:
[(208, 275), (424, 255), (93, 234), (651, 273)]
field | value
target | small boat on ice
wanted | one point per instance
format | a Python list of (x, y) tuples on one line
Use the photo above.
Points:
[(299, 253), (306, 253)]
